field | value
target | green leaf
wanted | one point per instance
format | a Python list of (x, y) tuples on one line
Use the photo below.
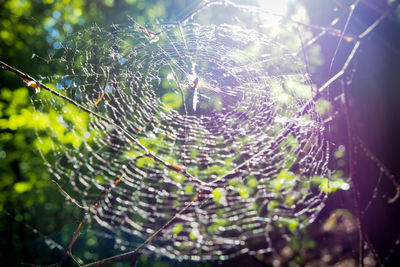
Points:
[(219, 195), (177, 177), (272, 204), (172, 100), (189, 189), (284, 179), (252, 182), (145, 161), (22, 187), (131, 154), (324, 185), (99, 179), (329, 186), (221, 222), (291, 223), (299, 89), (322, 106), (194, 234), (244, 192), (178, 227)]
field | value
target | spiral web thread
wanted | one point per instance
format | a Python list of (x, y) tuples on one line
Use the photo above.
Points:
[(207, 132)]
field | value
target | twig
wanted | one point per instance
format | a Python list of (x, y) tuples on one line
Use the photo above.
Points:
[(133, 253), (352, 172), (382, 167), (143, 29), (306, 63), (68, 197), (354, 180), (392, 250), (329, 30), (103, 90), (320, 92), (147, 152), (310, 104), (91, 210), (352, 8)]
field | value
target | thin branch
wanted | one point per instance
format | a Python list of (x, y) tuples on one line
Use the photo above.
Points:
[(320, 92), (72, 242), (68, 197), (36, 84), (352, 8), (74, 259), (175, 167), (92, 209), (378, 21), (354, 180), (382, 167), (103, 90), (392, 250), (329, 30), (31, 82), (353, 177), (306, 63), (133, 253), (143, 29)]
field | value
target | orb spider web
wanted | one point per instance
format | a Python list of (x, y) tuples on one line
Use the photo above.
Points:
[(194, 142)]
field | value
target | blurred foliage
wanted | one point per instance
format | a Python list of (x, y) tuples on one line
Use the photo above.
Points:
[(25, 188), (29, 204)]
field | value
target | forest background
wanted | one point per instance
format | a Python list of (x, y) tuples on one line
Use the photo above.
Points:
[(32, 210)]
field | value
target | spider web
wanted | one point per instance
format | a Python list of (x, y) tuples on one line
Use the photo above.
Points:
[(199, 139)]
